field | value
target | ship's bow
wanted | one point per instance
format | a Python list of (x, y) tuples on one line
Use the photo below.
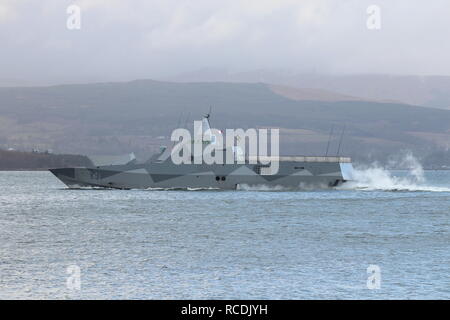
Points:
[(65, 175)]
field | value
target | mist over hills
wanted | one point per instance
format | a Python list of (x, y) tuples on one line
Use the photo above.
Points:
[(114, 118), (430, 91)]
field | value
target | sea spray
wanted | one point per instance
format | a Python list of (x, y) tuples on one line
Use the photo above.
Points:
[(260, 187), (409, 162), (376, 177)]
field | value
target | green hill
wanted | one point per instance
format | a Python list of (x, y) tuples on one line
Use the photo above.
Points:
[(16, 160), (111, 118)]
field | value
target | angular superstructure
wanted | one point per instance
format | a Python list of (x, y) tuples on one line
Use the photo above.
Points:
[(161, 172)]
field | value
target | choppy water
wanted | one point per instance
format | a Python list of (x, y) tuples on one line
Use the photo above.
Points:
[(226, 244)]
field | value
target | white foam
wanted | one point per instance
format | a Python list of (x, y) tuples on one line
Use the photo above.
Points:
[(181, 189), (260, 187), (375, 177)]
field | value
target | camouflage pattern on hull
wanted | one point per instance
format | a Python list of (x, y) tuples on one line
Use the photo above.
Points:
[(294, 172)]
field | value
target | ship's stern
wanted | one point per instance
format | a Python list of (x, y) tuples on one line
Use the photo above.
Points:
[(347, 171)]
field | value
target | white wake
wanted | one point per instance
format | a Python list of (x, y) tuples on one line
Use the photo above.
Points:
[(375, 177), (260, 187)]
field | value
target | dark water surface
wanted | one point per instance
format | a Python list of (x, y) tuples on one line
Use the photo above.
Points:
[(247, 244)]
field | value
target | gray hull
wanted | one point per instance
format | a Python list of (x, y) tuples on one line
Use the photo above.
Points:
[(294, 172)]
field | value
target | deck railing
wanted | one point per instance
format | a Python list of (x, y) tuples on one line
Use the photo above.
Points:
[(303, 159)]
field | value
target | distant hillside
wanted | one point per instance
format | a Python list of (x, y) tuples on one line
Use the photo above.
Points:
[(310, 94), (116, 118), (430, 91), (16, 160)]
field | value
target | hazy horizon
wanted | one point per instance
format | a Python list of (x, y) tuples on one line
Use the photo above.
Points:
[(185, 77), (158, 40)]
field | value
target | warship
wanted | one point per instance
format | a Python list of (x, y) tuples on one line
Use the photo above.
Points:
[(160, 172)]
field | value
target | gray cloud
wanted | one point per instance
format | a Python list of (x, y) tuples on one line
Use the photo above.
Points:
[(124, 40)]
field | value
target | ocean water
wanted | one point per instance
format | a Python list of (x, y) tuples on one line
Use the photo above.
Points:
[(247, 244)]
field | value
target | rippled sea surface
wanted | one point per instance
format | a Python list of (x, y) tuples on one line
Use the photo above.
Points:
[(249, 244)]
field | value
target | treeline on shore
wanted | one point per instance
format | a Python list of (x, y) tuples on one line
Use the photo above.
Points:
[(19, 160)]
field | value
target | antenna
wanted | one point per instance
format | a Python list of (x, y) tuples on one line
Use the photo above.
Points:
[(178, 124), (209, 113), (329, 139), (179, 120), (187, 119), (340, 141)]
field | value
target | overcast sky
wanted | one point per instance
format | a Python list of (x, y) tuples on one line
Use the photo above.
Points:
[(130, 39)]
